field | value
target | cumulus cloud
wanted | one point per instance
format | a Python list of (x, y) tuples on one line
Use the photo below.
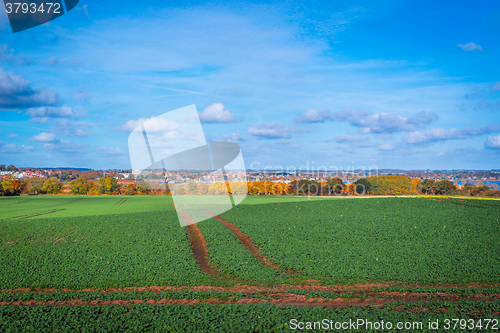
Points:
[(17, 92), (45, 137), (470, 47), (314, 116), (353, 140), (493, 142), (442, 134), (217, 113), (13, 135), (371, 123), (8, 148), (156, 126), (274, 130)]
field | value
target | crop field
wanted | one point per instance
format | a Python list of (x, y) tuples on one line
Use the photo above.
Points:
[(107, 263)]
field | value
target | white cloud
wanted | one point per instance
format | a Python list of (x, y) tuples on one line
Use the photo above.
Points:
[(156, 126), (45, 137), (13, 136), (314, 116), (442, 134), (493, 142), (470, 47), (16, 91), (217, 113), (274, 130), (8, 148), (368, 122)]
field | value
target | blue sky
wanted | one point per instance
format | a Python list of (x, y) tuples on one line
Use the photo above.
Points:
[(386, 84)]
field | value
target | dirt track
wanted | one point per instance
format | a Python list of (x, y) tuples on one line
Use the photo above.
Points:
[(199, 246), (246, 242)]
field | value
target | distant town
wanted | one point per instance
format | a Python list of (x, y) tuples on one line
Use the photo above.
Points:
[(347, 176)]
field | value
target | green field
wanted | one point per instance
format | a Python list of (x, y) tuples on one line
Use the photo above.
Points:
[(405, 245)]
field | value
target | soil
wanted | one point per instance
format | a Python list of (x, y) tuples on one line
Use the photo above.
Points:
[(198, 245), (284, 300)]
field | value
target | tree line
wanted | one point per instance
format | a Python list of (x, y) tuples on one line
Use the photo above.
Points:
[(374, 185)]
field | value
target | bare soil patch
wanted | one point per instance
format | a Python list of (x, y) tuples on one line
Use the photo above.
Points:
[(199, 246)]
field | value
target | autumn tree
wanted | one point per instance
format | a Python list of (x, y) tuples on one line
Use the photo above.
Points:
[(191, 187), (334, 186), (79, 186), (52, 186), (130, 189), (108, 185), (201, 188)]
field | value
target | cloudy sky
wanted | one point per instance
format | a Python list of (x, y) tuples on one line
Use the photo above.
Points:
[(390, 84)]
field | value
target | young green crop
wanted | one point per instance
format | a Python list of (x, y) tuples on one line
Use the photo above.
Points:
[(403, 239), (119, 250)]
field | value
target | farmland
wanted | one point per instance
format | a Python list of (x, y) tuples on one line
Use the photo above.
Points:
[(114, 263)]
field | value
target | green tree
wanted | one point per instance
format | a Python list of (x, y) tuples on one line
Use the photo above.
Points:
[(108, 185), (306, 187), (11, 168), (363, 186), (443, 187), (479, 190), (52, 186), (427, 186)]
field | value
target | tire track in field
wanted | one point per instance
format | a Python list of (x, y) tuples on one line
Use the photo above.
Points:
[(198, 245), (281, 300), (28, 216), (121, 203), (248, 243)]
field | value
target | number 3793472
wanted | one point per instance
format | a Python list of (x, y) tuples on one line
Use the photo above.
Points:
[(24, 7)]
